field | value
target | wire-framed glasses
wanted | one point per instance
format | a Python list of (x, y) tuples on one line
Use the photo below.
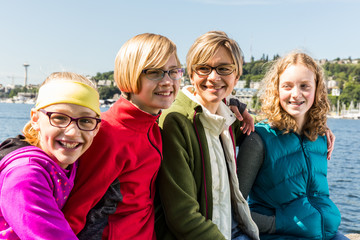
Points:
[(157, 74)]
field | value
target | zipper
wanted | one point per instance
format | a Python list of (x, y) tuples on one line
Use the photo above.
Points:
[(308, 185), (161, 158)]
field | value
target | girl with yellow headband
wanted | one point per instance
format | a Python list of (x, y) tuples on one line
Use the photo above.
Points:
[(37, 170)]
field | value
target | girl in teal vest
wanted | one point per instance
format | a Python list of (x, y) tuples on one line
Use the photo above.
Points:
[(283, 165)]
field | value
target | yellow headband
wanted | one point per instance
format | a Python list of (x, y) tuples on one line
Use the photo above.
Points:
[(66, 91)]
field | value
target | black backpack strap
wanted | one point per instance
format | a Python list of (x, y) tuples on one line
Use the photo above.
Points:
[(12, 144)]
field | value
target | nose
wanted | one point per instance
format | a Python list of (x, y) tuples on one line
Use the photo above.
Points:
[(72, 129), (214, 76), (295, 92), (166, 80)]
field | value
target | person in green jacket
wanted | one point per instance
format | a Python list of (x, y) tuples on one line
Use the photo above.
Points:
[(197, 182), (283, 165)]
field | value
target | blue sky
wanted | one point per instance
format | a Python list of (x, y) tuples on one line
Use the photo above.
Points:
[(84, 36)]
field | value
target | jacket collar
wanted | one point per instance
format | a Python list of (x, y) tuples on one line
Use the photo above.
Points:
[(131, 116), (216, 123)]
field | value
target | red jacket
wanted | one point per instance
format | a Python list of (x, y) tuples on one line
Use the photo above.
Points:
[(128, 148)]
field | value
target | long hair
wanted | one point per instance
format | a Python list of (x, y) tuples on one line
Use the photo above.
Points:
[(31, 135), (273, 112)]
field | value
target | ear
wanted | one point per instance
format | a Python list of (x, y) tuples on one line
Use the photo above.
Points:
[(236, 81), (34, 119), (191, 81)]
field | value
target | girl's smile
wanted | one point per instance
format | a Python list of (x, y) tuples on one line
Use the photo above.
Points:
[(211, 89), (63, 145), (297, 91), (155, 95)]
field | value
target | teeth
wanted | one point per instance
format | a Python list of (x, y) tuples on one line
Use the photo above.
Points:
[(164, 94), (296, 103), (217, 87), (69, 145)]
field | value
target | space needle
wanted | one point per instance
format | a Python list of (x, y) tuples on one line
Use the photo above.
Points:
[(26, 65)]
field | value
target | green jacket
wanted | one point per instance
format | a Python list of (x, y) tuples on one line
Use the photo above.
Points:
[(185, 181)]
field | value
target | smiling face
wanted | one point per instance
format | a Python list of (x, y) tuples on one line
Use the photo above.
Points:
[(63, 145), (297, 91), (211, 89), (155, 95)]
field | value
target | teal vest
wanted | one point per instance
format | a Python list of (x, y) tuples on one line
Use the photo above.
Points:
[(292, 185)]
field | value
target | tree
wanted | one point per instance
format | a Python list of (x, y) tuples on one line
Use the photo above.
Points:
[(108, 92), (351, 92), (104, 76)]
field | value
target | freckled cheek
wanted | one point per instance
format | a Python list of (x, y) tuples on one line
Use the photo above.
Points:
[(311, 99), (50, 134), (309, 95), (283, 96)]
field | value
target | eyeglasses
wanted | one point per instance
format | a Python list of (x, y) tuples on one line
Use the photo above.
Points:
[(62, 120), (157, 74), (223, 70)]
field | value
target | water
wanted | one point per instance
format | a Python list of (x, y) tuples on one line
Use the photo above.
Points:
[(13, 118), (343, 168), (344, 172)]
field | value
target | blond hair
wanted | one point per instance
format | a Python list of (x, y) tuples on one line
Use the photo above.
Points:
[(31, 135), (141, 52), (206, 46), (277, 116)]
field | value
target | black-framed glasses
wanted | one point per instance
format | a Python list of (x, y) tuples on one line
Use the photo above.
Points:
[(223, 70), (157, 74), (62, 120)]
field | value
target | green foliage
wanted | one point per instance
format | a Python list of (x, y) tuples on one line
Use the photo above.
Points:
[(332, 99), (348, 78), (15, 91), (104, 76), (254, 71), (351, 92), (107, 92)]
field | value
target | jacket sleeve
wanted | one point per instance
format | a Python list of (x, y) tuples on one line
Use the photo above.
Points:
[(249, 161), (177, 185), (29, 206)]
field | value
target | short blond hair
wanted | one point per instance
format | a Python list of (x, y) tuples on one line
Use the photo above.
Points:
[(276, 115), (141, 52), (206, 46), (30, 134)]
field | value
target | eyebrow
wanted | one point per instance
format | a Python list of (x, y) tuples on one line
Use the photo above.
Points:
[(219, 64), (175, 66)]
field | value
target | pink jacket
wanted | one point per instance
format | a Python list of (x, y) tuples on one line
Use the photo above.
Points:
[(33, 189)]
